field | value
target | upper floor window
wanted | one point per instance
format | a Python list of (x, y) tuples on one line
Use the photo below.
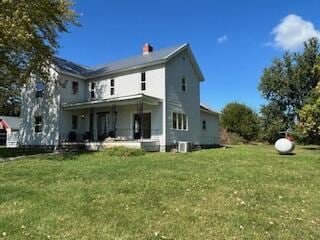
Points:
[(74, 122), (183, 84), (75, 87), (143, 81), (112, 87), (38, 124), (92, 90), (204, 124), (39, 89), (179, 121)]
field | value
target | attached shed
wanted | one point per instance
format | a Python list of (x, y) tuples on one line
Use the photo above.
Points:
[(210, 127), (9, 130)]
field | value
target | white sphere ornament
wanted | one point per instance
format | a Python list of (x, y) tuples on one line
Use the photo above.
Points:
[(284, 146)]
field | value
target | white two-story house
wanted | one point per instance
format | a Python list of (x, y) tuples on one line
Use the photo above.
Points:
[(150, 101)]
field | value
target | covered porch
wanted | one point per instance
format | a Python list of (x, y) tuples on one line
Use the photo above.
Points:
[(129, 121)]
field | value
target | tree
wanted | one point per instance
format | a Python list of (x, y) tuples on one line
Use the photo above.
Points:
[(10, 101), (287, 85), (240, 119), (309, 118), (28, 37), (272, 121)]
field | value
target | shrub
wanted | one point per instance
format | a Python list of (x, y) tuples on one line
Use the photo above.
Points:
[(124, 152), (231, 138)]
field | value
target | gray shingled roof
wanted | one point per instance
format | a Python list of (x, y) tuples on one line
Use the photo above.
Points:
[(14, 122), (126, 64), (69, 66), (208, 109)]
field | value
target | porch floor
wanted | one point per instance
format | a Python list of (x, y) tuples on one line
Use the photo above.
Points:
[(147, 145)]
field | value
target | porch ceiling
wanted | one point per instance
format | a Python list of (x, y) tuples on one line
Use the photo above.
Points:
[(120, 101)]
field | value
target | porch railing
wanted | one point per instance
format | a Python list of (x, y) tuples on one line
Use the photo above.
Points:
[(119, 134)]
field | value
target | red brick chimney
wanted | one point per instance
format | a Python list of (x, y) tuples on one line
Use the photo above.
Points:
[(147, 48)]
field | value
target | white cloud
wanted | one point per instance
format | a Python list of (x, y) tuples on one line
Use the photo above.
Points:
[(292, 32), (222, 39)]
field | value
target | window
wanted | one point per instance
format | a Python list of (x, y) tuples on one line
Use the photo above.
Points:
[(174, 120), (179, 121), (92, 90), (143, 81), (74, 122), (39, 89), (38, 124), (75, 87), (204, 124), (112, 87), (184, 122), (183, 84)]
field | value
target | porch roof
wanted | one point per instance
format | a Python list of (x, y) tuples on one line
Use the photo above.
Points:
[(125, 100)]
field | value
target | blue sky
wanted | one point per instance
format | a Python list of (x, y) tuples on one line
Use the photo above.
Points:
[(232, 40)]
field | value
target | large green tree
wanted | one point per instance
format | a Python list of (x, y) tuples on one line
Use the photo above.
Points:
[(240, 119), (287, 85), (10, 101), (309, 118), (28, 40)]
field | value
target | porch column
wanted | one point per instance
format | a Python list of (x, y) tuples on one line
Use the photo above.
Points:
[(140, 114), (114, 119)]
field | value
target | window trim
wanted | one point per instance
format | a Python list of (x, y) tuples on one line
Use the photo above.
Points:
[(38, 126), (39, 93), (204, 124), (183, 84), (143, 86), (92, 90), (75, 87), (181, 121), (74, 127), (112, 83)]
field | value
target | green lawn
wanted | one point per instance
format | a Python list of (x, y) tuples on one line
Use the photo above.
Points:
[(242, 192)]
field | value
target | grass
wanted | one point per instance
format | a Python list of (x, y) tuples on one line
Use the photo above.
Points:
[(242, 192)]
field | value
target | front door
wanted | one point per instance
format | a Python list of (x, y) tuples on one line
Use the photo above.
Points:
[(142, 126), (104, 126)]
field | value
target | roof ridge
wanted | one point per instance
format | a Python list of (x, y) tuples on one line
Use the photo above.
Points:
[(157, 56), (178, 46)]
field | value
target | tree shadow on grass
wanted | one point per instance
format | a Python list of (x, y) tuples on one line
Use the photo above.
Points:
[(314, 148), (17, 152)]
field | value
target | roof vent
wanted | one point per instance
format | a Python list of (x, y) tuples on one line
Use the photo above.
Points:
[(147, 48)]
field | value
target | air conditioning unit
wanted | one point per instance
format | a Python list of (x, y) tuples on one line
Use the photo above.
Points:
[(184, 147)]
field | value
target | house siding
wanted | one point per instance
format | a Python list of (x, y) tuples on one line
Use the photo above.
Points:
[(182, 102), (210, 135), (65, 88), (129, 83), (47, 107)]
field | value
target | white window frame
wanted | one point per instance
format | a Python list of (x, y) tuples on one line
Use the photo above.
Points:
[(143, 81), (77, 89), (112, 87), (93, 90), (204, 125), (40, 124), (39, 93), (184, 84), (182, 122)]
